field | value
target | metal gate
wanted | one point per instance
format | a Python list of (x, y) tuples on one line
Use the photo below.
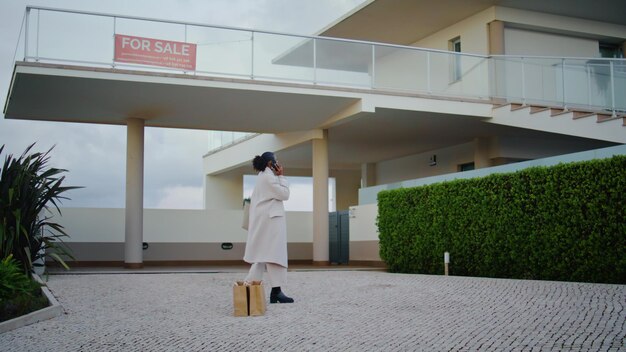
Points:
[(339, 237)]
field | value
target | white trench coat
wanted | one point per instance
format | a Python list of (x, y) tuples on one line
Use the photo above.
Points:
[(267, 229)]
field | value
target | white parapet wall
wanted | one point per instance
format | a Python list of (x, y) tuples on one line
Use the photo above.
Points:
[(364, 233), (97, 234), (369, 195)]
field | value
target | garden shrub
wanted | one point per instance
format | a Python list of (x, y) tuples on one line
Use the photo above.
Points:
[(566, 222), (19, 294), (28, 187)]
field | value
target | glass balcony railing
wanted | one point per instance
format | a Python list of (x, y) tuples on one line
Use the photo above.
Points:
[(222, 139), (89, 39), (588, 83)]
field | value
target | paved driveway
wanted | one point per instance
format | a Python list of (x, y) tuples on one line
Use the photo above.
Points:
[(334, 311)]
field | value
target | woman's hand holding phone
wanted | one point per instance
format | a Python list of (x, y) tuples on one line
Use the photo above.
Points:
[(277, 168)]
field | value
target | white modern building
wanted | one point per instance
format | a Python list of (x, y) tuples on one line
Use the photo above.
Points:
[(397, 93)]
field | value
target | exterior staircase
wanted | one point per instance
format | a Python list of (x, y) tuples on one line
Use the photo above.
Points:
[(576, 122)]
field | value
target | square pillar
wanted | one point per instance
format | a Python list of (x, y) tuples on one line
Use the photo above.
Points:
[(368, 175), (496, 47), (481, 153), (133, 245), (223, 191), (496, 37), (320, 201)]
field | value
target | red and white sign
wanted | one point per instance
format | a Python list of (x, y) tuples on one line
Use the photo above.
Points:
[(155, 52)]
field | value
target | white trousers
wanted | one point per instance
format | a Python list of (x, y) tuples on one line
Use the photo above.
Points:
[(277, 274)]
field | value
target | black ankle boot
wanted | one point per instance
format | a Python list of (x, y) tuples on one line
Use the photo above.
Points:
[(277, 296)]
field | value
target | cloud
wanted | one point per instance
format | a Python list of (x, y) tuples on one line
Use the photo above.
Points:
[(173, 157), (180, 197), (94, 157), (95, 154)]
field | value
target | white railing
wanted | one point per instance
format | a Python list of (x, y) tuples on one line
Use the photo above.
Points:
[(588, 83), (84, 38), (221, 139)]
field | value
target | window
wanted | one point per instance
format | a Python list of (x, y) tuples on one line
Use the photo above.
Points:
[(612, 51), (455, 62), (466, 167)]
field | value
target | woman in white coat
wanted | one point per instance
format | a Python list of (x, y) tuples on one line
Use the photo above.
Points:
[(266, 247)]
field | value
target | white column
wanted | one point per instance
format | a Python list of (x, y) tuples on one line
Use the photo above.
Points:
[(133, 246), (496, 47), (481, 153), (320, 200), (496, 37), (368, 175)]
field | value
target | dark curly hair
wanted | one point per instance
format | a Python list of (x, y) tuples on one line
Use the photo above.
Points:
[(259, 163)]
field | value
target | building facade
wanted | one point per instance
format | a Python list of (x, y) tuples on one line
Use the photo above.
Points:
[(394, 93)]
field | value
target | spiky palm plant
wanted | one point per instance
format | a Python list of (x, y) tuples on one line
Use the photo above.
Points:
[(27, 187)]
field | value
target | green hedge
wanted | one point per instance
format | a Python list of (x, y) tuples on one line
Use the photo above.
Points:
[(566, 223)]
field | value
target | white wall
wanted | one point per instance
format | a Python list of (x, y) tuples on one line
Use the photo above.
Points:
[(417, 165), (560, 23), (364, 243), (224, 191), (526, 33), (241, 154), (347, 184), (167, 225), (472, 30), (363, 223), (537, 148), (369, 195), (532, 43), (543, 80), (448, 159), (175, 228), (422, 71)]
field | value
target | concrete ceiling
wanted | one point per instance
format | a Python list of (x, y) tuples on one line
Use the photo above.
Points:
[(389, 134), (164, 102), (182, 102), (407, 21)]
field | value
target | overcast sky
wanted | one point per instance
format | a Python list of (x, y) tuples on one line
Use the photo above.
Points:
[(95, 154)]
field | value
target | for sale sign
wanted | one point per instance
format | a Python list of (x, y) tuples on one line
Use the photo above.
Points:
[(155, 52)]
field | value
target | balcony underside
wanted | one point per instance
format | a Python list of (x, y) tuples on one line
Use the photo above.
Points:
[(390, 134), (58, 93), (374, 127)]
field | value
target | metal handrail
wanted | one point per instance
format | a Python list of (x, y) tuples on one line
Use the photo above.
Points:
[(356, 41), (557, 57), (488, 90), (490, 75)]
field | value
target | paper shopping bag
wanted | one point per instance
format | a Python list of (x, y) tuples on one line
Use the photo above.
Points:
[(256, 298), (240, 299), (246, 214)]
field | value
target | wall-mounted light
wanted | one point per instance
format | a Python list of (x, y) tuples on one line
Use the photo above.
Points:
[(433, 160)]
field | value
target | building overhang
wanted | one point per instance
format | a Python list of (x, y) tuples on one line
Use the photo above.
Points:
[(63, 93), (406, 22)]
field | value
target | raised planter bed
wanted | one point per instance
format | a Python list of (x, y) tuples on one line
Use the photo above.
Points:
[(54, 309)]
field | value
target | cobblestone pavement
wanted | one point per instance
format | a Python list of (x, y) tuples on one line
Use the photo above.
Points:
[(334, 311)]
